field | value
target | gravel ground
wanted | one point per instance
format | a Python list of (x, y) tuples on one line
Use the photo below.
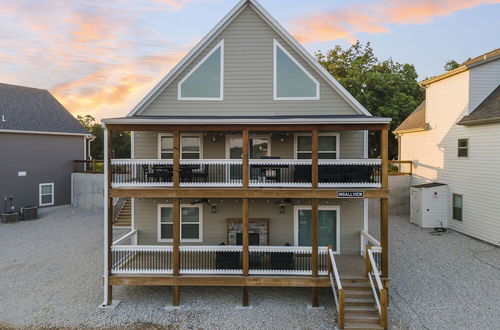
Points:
[(50, 277), (450, 281)]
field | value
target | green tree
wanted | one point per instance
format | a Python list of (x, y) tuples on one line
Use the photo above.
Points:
[(451, 65), (121, 140), (385, 88)]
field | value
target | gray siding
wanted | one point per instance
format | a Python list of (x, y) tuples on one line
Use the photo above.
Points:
[(45, 158), (351, 145), (248, 78), (281, 226)]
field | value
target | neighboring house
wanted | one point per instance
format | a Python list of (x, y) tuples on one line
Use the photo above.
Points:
[(249, 160), (454, 138), (39, 139)]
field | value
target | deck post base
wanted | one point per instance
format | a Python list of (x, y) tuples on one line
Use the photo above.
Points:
[(176, 295), (315, 300), (245, 296), (111, 306), (317, 308)]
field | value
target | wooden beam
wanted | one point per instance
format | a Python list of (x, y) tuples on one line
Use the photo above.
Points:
[(221, 280), (384, 235), (383, 308), (315, 297), (384, 155), (241, 193), (246, 156), (244, 230), (245, 296), (176, 158), (341, 308), (176, 228), (314, 236), (314, 158), (239, 128)]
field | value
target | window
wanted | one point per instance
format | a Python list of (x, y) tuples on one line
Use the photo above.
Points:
[(260, 146), (46, 192), (328, 226), (291, 80), (457, 207), (463, 148), (191, 223), (328, 146), (206, 80), (191, 146)]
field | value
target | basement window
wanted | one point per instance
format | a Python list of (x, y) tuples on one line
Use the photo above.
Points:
[(46, 194)]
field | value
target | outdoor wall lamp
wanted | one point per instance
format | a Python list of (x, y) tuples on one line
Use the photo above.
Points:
[(214, 208), (282, 209)]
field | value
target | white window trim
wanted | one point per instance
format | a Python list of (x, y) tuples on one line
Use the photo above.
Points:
[(468, 147), (200, 224), (221, 93), (40, 194), (160, 135), (275, 77), (252, 136), (296, 143), (296, 209)]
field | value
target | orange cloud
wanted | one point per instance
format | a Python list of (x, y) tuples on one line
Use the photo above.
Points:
[(373, 18), (174, 4), (114, 89)]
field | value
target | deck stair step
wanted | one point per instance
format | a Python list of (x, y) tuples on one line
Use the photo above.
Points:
[(124, 218), (361, 310), (359, 301), (362, 326), (368, 319)]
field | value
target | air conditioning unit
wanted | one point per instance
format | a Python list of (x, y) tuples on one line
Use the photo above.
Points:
[(429, 205)]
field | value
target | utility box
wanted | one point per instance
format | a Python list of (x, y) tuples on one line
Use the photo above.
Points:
[(429, 205)]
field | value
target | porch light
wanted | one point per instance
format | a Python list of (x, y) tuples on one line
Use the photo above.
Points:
[(214, 208), (214, 138), (282, 138), (282, 208)]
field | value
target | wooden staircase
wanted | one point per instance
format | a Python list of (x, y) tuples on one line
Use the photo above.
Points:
[(124, 218), (360, 311)]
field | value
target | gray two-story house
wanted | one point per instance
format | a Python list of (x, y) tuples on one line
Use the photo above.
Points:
[(250, 168), (39, 139)]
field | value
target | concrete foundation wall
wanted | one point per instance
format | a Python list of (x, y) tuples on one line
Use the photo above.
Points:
[(88, 190), (399, 198)]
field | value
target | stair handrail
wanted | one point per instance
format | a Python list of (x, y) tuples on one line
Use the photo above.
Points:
[(378, 289), (338, 291)]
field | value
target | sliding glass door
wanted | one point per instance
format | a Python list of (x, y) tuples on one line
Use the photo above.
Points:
[(328, 226)]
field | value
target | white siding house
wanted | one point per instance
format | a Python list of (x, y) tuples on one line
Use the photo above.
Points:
[(457, 142)]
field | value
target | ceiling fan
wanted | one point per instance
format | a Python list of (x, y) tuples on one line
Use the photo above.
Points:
[(202, 201)]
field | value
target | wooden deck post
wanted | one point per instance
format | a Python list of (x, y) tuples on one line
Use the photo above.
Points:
[(384, 203), (246, 156), (314, 158), (110, 214), (368, 264), (383, 308), (341, 309), (314, 245), (176, 159), (246, 252), (175, 248)]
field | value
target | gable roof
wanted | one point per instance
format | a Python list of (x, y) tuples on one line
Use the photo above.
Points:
[(486, 112), (415, 122), (167, 80), (35, 110), (479, 60)]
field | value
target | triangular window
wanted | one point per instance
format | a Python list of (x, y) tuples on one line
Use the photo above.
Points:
[(206, 80), (291, 80)]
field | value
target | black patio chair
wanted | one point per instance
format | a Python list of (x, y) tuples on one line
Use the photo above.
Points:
[(200, 175)]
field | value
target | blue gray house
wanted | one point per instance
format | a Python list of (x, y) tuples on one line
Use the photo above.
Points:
[(39, 139)]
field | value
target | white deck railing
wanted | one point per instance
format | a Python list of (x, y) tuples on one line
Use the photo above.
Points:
[(263, 260), (338, 292), (375, 281), (334, 173)]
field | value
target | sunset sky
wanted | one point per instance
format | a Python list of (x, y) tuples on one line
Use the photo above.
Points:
[(102, 57)]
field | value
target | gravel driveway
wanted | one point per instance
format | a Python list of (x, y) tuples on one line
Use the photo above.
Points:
[(450, 281), (50, 277)]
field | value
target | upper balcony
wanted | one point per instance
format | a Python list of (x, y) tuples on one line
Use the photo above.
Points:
[(275, 173)]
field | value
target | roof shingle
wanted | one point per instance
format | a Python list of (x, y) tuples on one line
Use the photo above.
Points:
[(414, 122), (31, 109), (486, 112)]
